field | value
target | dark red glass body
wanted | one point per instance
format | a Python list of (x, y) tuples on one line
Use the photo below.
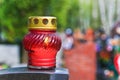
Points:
[(42, 47)]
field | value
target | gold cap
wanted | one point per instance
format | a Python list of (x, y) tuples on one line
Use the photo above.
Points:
[(42, 23)]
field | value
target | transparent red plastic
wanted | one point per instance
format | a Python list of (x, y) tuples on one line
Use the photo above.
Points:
[(42, 47)]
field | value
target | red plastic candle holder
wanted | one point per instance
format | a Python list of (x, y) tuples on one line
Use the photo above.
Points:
[(42, 43)]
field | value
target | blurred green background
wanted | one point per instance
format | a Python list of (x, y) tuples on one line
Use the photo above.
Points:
[(70, 13), (14, 15)]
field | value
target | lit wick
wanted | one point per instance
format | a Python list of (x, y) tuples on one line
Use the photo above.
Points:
[(46, 41)]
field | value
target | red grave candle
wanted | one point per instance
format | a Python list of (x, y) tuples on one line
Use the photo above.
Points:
[(41, 43)]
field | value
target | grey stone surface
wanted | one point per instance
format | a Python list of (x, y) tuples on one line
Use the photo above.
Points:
[(9, 54), (23, 73)]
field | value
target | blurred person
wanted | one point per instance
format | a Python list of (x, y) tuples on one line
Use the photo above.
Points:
[(80, 59), (68, 41), (115, 42), (78, 37), (101, 44), (105, 53), (72, 39), (115, 36), (71, 54), (102, 54)]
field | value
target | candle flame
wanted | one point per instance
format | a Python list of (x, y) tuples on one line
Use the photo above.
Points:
[(46, 41)]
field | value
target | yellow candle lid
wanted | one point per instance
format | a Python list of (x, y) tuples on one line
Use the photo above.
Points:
[(42, 23)]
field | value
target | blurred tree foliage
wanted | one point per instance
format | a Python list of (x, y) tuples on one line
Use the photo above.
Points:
[(14, 15)]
